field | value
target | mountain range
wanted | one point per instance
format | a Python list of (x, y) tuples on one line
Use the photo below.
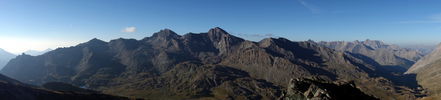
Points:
[(384, 54), (218, 65), (36, 52)]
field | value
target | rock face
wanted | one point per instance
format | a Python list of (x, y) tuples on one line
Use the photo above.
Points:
[(5, 57), (11, 89), (306, 89), (215, 64), (384, 54)]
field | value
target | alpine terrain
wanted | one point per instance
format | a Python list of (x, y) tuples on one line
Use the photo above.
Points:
[(218, 65)]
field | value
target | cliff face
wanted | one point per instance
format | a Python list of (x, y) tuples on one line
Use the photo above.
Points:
[(206, 65)]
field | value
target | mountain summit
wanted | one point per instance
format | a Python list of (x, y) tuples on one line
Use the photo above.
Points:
[(214, 64), (165, 33)]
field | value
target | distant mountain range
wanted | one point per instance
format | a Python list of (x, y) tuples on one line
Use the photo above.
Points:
[(424, 48), (384, 54), (5, 57), (36, 52), (218, 65)]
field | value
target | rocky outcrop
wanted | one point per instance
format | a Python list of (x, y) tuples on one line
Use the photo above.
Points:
[(307, 89), (214, 64)]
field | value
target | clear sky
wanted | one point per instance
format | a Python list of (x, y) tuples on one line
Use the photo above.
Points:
[(42, 24)]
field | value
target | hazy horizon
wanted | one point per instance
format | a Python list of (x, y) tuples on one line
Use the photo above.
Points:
[(68, 44), (38, 25)]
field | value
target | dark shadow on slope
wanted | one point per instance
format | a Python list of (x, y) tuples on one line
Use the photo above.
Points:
[(300, 52), (406, 63), (371, 71), (393, 73)]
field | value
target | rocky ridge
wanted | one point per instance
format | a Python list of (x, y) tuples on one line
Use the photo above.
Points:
[(215, 64)]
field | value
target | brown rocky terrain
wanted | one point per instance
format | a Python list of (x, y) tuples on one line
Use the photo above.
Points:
[(11, 89), (212, 65), (430, 58), (428, 71), (307, 89)]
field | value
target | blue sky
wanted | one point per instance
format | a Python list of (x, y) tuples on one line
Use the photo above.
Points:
[(41, 24)]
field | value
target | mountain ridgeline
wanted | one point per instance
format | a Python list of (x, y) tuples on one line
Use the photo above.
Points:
[(385, 54), (5, 57), (36, 52), (214, 64)]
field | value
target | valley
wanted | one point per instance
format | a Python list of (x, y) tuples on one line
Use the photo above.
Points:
[(218, 65)]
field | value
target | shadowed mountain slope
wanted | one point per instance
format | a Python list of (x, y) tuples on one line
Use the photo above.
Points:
[(428, 71), (11, 89), (215, 64), (385, 54)]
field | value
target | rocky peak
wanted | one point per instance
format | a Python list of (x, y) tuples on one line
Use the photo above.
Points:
[(217, 30), (216, 34), (94, 42), (23, 55), (266, 42), (166, 34), (374, 43), (222, 39)]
